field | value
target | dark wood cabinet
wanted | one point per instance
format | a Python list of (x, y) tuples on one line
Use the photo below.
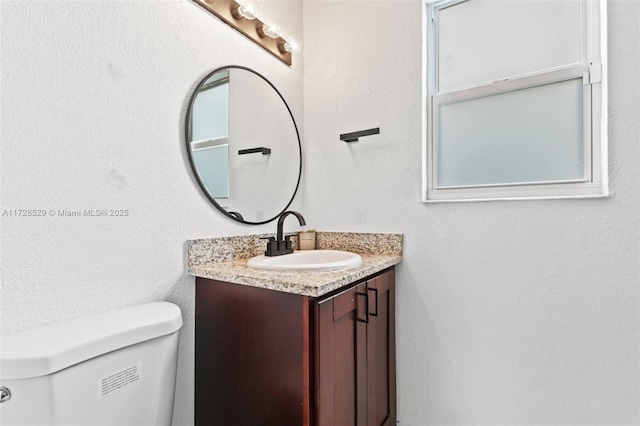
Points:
[(355, 355), (266, 357)]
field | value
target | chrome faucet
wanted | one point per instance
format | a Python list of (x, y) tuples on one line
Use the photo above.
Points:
[(281, 244)]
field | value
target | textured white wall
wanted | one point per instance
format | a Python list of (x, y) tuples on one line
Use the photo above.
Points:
[(509, 313), (93, 103)]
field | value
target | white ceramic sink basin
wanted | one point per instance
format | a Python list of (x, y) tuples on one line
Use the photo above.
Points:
[(307, 260)]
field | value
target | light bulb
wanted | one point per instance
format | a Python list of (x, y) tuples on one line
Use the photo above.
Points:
[(272, 30), (247, 9), (292, 45)]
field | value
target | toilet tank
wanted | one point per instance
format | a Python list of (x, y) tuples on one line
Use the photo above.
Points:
[(116, 368)]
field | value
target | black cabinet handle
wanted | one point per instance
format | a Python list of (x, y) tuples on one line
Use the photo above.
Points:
[(375, 290), (366, 310)]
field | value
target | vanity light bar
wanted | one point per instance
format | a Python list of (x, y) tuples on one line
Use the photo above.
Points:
[(229, 12)]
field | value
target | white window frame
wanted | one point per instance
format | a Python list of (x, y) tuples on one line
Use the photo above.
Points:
[(592, 69)]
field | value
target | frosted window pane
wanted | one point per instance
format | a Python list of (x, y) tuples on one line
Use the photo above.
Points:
[(481, 41), (211, 114), (212, 164), (529, 135)]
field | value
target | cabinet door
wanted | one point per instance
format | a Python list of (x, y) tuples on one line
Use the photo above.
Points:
[(381, 377), (251, 356), (341, 359)]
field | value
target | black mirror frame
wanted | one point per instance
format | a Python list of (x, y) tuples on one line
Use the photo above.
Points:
[(188, 144)]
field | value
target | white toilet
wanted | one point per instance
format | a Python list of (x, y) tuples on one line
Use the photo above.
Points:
[(116, 368)]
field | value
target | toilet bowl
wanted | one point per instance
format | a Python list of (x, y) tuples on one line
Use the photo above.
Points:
[(116, 368)]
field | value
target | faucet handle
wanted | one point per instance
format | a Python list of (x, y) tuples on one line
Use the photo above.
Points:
[(272, 245), (287, 240)]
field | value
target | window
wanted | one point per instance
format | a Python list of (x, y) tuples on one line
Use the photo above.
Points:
[(515, 100)]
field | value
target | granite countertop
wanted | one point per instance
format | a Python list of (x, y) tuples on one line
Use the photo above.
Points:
[(225, 259)]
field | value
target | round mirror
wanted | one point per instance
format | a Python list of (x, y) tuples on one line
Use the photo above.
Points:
[(243, 144)]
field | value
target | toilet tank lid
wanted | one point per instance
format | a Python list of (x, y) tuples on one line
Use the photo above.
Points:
[(45, 350)]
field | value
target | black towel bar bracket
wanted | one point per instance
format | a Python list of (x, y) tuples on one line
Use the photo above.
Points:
[(353, 137), (261, 149)]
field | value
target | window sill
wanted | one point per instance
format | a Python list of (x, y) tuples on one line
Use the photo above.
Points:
[(533, 192)]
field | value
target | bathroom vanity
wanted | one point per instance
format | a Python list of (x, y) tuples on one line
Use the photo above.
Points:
[(281, 348), (295, 348)]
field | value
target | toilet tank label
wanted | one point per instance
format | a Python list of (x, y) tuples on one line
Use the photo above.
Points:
[(119, 379)]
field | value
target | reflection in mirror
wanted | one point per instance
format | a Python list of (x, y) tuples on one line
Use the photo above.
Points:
[(243, 145), (210, 135)]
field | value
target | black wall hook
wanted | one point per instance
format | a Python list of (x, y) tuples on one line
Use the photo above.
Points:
[(353, 137)]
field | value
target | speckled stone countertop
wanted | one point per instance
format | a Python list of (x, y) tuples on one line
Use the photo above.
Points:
[(225, 259)]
